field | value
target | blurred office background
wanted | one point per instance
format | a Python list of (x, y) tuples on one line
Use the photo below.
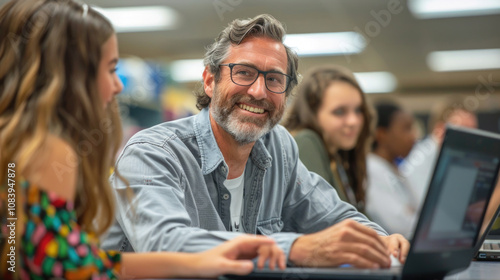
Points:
[(418, 52)]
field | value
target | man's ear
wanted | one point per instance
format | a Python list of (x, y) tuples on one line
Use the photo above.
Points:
[(208, 81)]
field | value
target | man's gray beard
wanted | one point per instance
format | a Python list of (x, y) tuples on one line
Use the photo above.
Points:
[(237, 130), (241, 132)]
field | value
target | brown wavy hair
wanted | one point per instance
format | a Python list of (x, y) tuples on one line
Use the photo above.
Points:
[(49, 57), (303, 115)]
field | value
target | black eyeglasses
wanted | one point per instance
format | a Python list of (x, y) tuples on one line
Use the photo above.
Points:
[(245, 75)]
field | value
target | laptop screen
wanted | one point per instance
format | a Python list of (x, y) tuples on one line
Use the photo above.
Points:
[(465, 178), (494, 232)]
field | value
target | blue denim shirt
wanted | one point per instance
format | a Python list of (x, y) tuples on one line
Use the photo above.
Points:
[(177, 171)]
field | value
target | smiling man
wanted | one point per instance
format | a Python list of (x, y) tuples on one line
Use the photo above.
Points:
[(231, 169)]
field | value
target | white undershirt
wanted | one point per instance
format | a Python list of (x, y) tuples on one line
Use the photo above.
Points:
[(235, 187)]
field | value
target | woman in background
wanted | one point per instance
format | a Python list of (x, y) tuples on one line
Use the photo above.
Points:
[(390, 201), (59, 133), (330, 121)]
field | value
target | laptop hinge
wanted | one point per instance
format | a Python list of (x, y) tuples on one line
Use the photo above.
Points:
[(425, 277)]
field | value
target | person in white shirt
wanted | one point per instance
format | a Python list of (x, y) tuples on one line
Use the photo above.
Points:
[(417, 167), (389, 200)]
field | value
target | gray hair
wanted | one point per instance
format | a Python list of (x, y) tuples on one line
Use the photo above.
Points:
[(260, 26)]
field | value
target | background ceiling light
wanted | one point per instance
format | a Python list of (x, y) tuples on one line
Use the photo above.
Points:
[(317, 44), (424, 9), (442, 61), (137, 19), (376, 82)]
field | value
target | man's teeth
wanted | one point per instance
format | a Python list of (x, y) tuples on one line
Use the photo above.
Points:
[(251, 109)]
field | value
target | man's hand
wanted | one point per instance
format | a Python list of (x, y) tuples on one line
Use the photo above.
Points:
[(398, 246), (347, 242)]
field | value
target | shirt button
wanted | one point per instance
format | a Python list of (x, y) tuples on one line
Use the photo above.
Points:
[(223, 169), (225, 196)]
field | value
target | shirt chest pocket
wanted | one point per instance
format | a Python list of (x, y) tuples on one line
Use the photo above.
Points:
[(270, 226)]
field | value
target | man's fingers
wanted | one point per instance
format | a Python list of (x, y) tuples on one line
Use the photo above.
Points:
[(398, 245), (405, 248), (357, 260), (393, 246), (352, 235), (360, 227), (348, 242), (370, 232), (367, 253)]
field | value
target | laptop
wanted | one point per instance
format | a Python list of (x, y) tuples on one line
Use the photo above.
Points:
[(449, 224), (488, 245)]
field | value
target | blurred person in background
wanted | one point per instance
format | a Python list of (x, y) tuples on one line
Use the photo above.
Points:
[(417, 167), (390, 202), (330, 121), (59, 132)]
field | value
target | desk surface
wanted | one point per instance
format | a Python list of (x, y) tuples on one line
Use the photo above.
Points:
[(478, 271)]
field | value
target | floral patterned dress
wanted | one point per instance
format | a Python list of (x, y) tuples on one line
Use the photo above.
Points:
[(53, 246)]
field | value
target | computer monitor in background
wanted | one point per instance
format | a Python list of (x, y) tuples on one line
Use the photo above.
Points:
[(488, 245)]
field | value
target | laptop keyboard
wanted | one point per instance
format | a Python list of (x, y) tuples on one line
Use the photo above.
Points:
[(491, 246)]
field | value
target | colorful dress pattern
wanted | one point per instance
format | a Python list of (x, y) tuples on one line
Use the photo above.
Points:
[(54, 246)]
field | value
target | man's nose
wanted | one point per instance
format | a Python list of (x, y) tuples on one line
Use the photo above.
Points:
[(258, 89)]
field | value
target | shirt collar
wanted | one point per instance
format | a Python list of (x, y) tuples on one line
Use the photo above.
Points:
[(211, 156), (260, 155)]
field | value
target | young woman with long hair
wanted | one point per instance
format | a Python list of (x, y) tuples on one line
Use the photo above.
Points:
[(330, 120)]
